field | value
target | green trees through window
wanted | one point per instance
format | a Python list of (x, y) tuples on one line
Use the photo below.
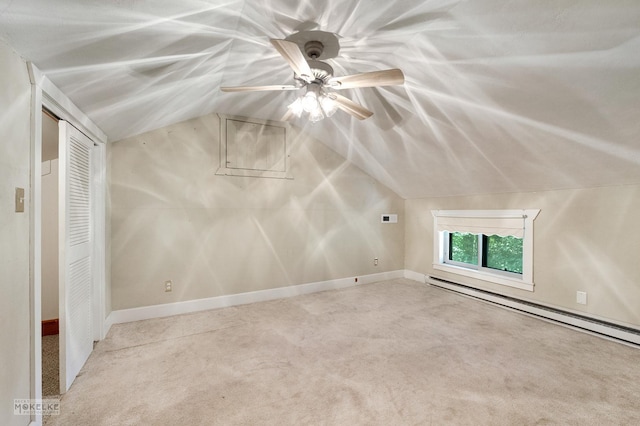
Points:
[(463, 248), (502, 253), (489, 251)]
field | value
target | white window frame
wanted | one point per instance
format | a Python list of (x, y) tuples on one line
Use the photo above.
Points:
[(478, 267), (522, 281)]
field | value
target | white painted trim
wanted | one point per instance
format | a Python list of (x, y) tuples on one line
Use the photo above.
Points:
[(485, 276), (410, 275), (566, 320), (56, 101), (189, 306), (524, 283), (35, 251), (497, 214), (108, 322)]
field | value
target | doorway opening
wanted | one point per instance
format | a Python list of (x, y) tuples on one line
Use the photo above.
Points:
[(81, 227), (49, 255)]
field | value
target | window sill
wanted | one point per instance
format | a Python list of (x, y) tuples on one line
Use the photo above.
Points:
[(484, 276)]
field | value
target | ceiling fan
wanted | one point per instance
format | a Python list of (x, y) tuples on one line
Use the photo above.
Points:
[(316, 78)]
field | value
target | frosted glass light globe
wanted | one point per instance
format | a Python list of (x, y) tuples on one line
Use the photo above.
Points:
[(329, 106), (296, 107), (316, 115), (310, 102)]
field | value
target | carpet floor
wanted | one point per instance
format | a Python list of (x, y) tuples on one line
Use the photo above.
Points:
[(390, 353), (50, 366)]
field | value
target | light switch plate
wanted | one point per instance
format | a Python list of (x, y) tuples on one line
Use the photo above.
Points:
[(19, 200)]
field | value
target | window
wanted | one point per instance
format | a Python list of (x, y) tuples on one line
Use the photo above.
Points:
[(491, 245), (252, 147), (502, 253), (480, 251)]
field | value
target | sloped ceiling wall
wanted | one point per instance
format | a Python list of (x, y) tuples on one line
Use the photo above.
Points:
[(499, 96)]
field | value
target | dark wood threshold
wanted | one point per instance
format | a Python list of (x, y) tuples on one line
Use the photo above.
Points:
[(50, 327)]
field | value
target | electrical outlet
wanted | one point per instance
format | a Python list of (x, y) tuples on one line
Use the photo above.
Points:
[(375, 261), (581, 297), (168, 286)]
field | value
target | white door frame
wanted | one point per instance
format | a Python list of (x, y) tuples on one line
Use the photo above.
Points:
[(45, 94)]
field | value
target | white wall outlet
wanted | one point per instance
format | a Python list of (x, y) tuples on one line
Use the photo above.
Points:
[(168, 286), (581, 297), (375, 261)]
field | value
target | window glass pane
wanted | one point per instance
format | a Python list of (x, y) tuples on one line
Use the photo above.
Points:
[(463, 247), (503, 253)]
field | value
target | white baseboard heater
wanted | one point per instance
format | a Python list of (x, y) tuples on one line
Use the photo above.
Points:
[(581, 322)]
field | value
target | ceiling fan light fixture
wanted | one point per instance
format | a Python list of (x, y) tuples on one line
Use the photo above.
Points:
[(305, 52), (310, 99), (315, 116), (328, 104), (313, 49), (296, 107)]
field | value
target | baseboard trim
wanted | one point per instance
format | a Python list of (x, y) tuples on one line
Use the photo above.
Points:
[(414, 276), (189, 306), (572, 320), (106, 324), (50, 327)]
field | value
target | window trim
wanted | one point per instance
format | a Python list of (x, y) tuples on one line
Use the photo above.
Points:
[(523, 282)]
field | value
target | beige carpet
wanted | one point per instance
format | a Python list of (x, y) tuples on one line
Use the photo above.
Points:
[(391, 353), (50, 366)]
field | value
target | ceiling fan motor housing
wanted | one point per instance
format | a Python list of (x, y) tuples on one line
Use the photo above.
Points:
[(322, 71), (318, 45), (313, 49)]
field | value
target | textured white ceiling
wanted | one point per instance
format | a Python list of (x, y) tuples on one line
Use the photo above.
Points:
[(500, 96)]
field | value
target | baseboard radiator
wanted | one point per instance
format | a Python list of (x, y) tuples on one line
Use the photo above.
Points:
[(581, 322)]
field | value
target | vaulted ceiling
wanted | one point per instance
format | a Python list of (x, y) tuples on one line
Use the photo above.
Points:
[(500, 96)]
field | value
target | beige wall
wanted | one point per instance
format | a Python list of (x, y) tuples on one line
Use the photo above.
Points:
[(172, 218), (107, 272), (585, 239), (50, 288), (15, 104)]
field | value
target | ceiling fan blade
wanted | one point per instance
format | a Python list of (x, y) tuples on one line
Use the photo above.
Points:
[(347, 105), (288, 115), (258, 88), (368, 79), (292, 54)]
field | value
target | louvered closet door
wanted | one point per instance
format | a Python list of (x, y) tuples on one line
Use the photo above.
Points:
[(75, 233)]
